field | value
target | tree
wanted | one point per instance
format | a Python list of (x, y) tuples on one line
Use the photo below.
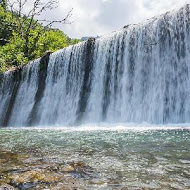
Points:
[(24, 37), (4, 4), (28, 25), (5, 26)]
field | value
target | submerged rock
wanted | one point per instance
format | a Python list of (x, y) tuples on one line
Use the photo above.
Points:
[(6, 187), (42, 176), (67, 169)]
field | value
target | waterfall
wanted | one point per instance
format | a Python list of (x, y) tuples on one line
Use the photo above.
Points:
[(138, 74)]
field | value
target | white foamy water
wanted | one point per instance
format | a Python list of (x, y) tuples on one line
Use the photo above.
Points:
[(107, 127)]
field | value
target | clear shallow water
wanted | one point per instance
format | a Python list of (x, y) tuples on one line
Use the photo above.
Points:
[(146, 157)]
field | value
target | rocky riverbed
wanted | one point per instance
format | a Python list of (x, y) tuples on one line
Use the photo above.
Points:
[(21, 171), (38, 159)]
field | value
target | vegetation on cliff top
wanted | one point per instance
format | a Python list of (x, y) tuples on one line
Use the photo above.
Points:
[(23, 38)]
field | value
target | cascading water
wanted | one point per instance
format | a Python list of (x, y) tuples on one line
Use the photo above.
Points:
[(139, 74)]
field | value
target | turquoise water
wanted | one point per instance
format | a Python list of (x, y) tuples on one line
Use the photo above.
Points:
[(136, 159)]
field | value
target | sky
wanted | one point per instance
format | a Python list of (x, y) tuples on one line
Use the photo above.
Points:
[(99, 17)]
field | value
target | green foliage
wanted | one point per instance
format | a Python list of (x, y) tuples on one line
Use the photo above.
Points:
[(3, 4), (11, 54), (6, 23), (17, 49), (75, 41), (51, 40)]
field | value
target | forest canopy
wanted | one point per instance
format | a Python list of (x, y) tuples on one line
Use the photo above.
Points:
[(20, 44)]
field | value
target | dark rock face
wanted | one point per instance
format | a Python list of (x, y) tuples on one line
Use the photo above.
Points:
[(126, 26), (16, 78), (1, 77), (86, 87), (42, 73)]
